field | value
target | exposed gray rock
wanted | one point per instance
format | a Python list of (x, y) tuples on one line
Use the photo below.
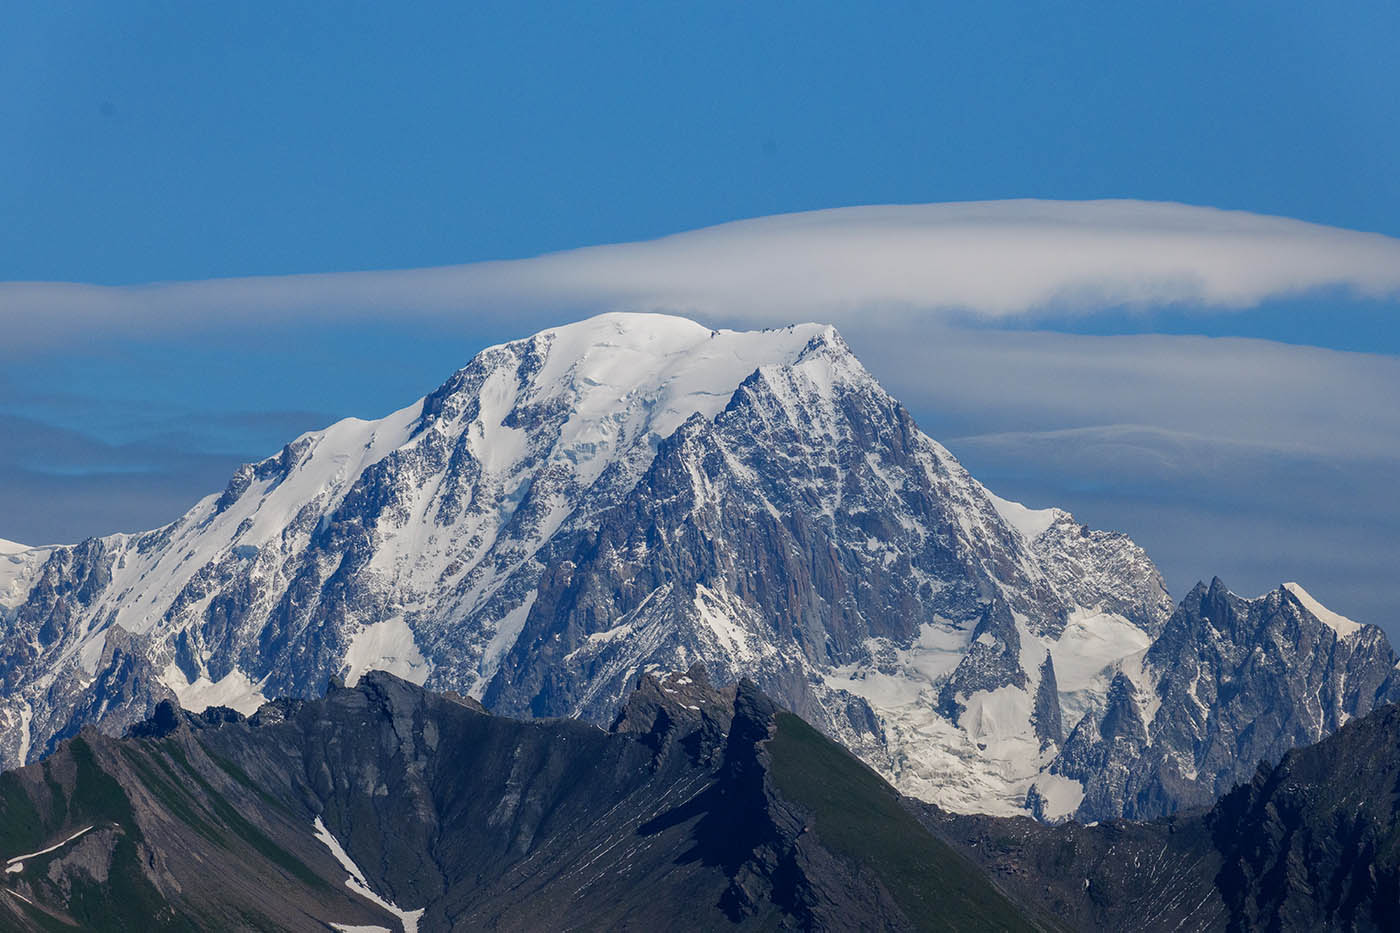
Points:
[(993, 660), (1230, 682), (1312, 843), (1046, 714)]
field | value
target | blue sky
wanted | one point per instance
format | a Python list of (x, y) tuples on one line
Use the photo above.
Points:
[(178, 141), (174, 142)]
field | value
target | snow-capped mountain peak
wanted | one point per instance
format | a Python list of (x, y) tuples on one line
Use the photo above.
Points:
[(626, 381), (1228, 681), (19, 563), (630, 493), (1340, 624)]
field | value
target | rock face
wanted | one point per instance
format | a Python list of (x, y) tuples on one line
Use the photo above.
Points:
[(1229, 682), (1314, 843), (388, 807), (637, 492)]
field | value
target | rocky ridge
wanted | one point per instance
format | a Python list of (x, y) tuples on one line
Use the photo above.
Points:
[(388, 807)]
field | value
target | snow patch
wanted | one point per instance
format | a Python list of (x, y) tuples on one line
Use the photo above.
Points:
[(912, 673), (1060, 796), (16, 864), (19, 566), (1087, 654), (507, 631), (1092, 641), (986, 765), (387, 645), (1031, 523), (1135, 668), (356, 882), (1340, 624), (714, 611), (996, 715), (26, 716), (991, 758), (234, 690)]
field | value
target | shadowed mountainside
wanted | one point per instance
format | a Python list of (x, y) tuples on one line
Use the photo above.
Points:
[(701, 807), (388, 806)]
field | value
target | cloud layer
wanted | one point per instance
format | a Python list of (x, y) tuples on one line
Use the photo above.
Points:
[(1252, 460), (993, 259)]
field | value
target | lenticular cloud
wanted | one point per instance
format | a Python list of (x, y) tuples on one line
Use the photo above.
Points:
[(995, 258), (987, 258)]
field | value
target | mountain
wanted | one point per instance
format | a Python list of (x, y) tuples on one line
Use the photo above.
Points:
[(385, 806), (1229, 681), (1312, 843), (638, 492)]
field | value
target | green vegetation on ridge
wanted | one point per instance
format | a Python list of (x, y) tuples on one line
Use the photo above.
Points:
[(860, 816)]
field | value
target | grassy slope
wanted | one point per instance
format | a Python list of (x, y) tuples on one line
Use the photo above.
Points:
[(196, 814), (859, 816)]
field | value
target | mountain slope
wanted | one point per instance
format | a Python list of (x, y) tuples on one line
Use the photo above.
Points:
[(444, 817), (637, 492)]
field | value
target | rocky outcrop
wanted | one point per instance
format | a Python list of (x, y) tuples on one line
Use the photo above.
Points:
[(1045, 716), (707, 807)]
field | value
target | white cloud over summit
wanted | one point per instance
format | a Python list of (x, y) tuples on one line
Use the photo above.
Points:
[(993, 259)]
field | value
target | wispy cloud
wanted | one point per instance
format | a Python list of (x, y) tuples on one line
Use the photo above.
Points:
[(991, 258), (1236, 391)]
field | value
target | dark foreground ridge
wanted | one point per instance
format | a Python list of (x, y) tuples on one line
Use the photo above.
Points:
[(700, 809), (387, 806)]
